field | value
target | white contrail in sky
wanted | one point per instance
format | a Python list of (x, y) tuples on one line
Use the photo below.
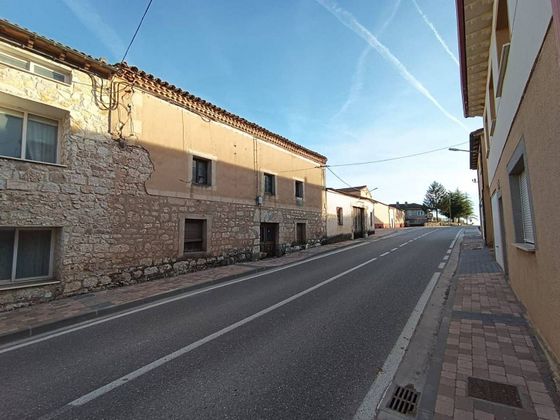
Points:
[(435, 32), (350, 21), (358, 80), (92, 20)]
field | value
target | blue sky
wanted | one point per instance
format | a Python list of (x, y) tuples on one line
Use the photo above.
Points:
[(356, 80)]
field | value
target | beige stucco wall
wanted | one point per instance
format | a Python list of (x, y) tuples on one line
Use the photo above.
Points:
[(535, 277), (172, 135), (387, 216), (346, 202)]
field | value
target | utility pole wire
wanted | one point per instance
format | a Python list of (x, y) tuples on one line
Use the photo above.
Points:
[(137, 29), (393, 158)]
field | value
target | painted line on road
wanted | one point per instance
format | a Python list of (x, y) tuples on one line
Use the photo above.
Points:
[(394, 249), (446, 257), (87, 324), (380, 386), (401, 245), (184, 350), (375, 394), (441, 265), (449, 251), (385, 253)]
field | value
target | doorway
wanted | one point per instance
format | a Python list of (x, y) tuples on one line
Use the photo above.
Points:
[(269, 239), (358, 222)]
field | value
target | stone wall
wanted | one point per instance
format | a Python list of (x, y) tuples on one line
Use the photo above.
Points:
[(111, 232)]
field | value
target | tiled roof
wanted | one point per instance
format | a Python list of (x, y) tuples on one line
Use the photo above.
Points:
[(26, 39), (183, 98)]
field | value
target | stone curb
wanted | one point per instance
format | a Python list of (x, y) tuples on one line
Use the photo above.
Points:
[(45, 327)]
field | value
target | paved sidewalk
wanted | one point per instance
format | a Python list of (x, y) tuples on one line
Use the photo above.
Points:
[(35, 319), (489, 339)]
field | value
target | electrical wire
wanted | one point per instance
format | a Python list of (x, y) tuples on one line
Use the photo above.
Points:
[(376, 161), (395, 158), (137, 29)]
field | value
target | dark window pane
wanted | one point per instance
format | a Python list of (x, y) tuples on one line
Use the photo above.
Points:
[(299, 189), (194, 235), (10, 135), (41, 139), (34, 253), (269, 183), (51, 74), (6, 253), (200, 171)]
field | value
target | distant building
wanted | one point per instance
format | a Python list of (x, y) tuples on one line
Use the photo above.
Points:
[(349, 213), (510, 76), (387, 216), (415, 214)]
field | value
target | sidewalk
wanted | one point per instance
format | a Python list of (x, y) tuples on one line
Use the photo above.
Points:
[(36, 319), (492, 365)]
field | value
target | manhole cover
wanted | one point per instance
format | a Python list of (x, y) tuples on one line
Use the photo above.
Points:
[(404, 400), (494, 392)]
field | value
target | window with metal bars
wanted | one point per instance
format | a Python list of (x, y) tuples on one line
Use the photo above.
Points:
[(525, 207), (201, 171)]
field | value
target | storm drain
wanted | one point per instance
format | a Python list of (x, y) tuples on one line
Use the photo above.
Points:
[(404, 400)]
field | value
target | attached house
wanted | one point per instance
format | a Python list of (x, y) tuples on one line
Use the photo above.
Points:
[(415, 214), (111, 176), (349, 213), (387, 216), (510, 77)]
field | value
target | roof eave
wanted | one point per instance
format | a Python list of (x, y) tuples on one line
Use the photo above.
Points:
[(460, 5)]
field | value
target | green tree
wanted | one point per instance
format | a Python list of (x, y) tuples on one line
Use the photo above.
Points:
[(457, 204), (435, 197)]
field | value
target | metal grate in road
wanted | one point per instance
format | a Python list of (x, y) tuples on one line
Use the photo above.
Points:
[(404, 400)]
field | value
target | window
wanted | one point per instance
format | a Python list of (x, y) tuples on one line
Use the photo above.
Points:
[(521, 197), (25, 254), (339, 216), (32, 67), (526, 217), (28, 136), (201, 171), (299, 190), (503, 39), (269, 181), (300, 233), (195, 235)]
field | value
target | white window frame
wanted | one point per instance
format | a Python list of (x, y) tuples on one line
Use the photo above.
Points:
[(25, 116), (31, 64), (13, 280)]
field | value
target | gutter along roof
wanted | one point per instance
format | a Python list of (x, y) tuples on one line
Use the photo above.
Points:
[(28, 40), (474, 23), (46, 47)]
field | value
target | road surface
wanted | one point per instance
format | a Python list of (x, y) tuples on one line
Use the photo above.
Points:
[(303, 341)]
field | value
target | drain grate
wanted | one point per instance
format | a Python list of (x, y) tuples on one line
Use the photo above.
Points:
[(495, 392), (404, 400)]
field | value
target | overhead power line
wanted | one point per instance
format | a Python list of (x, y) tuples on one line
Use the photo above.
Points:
[(136, 31), (395, 158)]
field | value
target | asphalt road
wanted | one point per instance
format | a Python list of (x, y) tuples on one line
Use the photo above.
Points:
[(305, 341)]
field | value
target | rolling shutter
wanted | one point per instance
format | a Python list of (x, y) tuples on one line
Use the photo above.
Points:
[(526, 217)]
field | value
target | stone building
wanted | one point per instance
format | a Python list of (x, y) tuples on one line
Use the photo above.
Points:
[(510, 74), (109, 176)]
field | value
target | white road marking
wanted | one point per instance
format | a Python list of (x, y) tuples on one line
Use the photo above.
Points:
[(446, 257), (401, 245), (449, 251), (394, 249), (380, 386), (441, 265), (375, 394), (87, 324), (385, 253), (171, 356)]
